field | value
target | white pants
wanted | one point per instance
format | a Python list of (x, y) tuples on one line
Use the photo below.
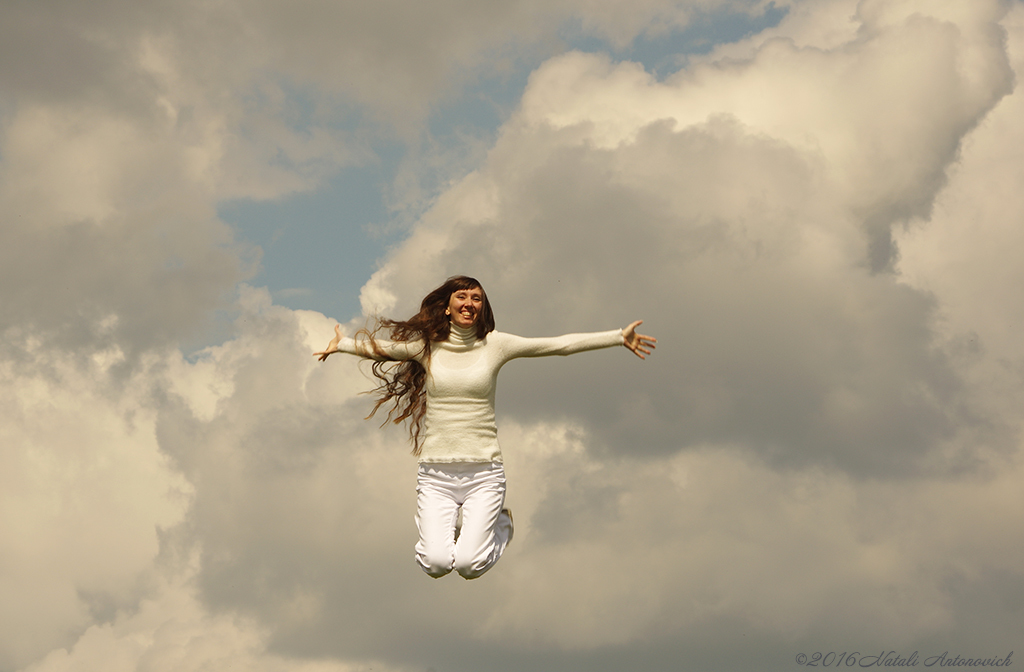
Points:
[(479, 490)]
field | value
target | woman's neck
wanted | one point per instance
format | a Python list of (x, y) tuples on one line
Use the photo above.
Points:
[(462, 335)]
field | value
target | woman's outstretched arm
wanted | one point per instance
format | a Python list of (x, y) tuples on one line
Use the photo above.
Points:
[(513, 347), (396, 350)]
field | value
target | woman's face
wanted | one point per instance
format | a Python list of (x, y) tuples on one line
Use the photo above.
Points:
[(465, 305)]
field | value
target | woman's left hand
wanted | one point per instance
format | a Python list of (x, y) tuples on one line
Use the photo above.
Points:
[(638, 343)]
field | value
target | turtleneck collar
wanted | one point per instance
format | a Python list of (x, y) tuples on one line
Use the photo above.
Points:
[(462, 335)]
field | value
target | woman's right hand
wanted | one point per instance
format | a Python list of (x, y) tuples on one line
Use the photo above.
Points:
[(332, 347)]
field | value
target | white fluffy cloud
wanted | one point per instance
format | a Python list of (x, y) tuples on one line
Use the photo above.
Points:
[(85, 490), (745, 208), (818, 223), (172, 632), (811, 459), (124, 124)]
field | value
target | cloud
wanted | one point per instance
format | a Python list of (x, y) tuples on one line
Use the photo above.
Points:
[(963, 252), (747, 230), (123, 126), (818, 223), (391, 56), (811, 460), (302, 520), (173, 631), (85, 489), (303, 516)]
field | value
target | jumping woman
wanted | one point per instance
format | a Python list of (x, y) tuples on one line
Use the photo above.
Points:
[(439, 369)]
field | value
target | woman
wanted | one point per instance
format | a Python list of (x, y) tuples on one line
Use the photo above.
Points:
[(448, 357)]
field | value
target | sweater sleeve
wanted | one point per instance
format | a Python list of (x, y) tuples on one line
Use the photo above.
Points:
[(397, 350), (517, 346)]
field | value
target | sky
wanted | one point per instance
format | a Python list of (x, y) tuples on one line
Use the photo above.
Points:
[(814, 205)]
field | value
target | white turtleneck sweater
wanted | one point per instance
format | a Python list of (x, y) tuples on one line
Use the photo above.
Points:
[(462, 375)]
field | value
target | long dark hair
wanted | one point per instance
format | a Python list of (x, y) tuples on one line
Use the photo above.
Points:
[(402, 381)]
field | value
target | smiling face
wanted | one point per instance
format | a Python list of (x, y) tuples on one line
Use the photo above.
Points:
[(465, 305)]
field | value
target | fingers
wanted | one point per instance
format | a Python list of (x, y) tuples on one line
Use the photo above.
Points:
[(639, 344), (636, 347), (640, 348)]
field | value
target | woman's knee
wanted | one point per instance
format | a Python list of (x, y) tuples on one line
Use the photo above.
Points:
[(435, 565), (436, 571), (472, 570)]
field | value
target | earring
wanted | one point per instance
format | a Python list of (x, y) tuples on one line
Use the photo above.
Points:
[(447, 311)]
